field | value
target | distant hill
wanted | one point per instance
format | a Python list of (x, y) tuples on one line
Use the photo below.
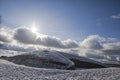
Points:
[(54, 59)]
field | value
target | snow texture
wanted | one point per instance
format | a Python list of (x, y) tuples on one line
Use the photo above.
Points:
[(10, 71)]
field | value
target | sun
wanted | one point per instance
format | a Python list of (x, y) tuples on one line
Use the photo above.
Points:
[(33, 28)]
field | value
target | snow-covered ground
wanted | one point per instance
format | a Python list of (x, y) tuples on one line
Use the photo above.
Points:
[(10, 71)]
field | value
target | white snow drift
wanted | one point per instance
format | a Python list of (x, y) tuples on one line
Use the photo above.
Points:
[(10, 71)]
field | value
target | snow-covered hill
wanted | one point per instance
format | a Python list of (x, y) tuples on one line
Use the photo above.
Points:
[(83, 62), (10, 71), (42, 59), (53, 59)]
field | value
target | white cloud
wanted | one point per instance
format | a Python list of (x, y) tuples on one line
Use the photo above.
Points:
[(5, 35), (97, 44), (18, 47), (70, 43), (111, 46), (116, 16), (26, 36), (49, 41), (92, 42)]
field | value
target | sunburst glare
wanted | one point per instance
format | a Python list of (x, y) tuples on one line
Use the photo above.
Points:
[(33, 27)]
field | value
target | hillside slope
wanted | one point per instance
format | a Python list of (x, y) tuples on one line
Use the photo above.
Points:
[(10, 71)]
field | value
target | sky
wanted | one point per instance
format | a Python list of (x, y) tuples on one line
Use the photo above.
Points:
[(86, 25), (74, 19)]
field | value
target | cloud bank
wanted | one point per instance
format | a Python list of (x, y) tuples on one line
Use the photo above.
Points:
[(5, 35), (98, 44), (26, 36), (91, 44)]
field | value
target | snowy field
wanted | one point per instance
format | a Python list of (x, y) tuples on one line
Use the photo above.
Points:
[(10, 71)]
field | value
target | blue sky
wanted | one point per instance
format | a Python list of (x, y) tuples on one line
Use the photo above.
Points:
[(75, 19)]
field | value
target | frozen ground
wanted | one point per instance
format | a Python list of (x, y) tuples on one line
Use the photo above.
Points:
[(10, 71)]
